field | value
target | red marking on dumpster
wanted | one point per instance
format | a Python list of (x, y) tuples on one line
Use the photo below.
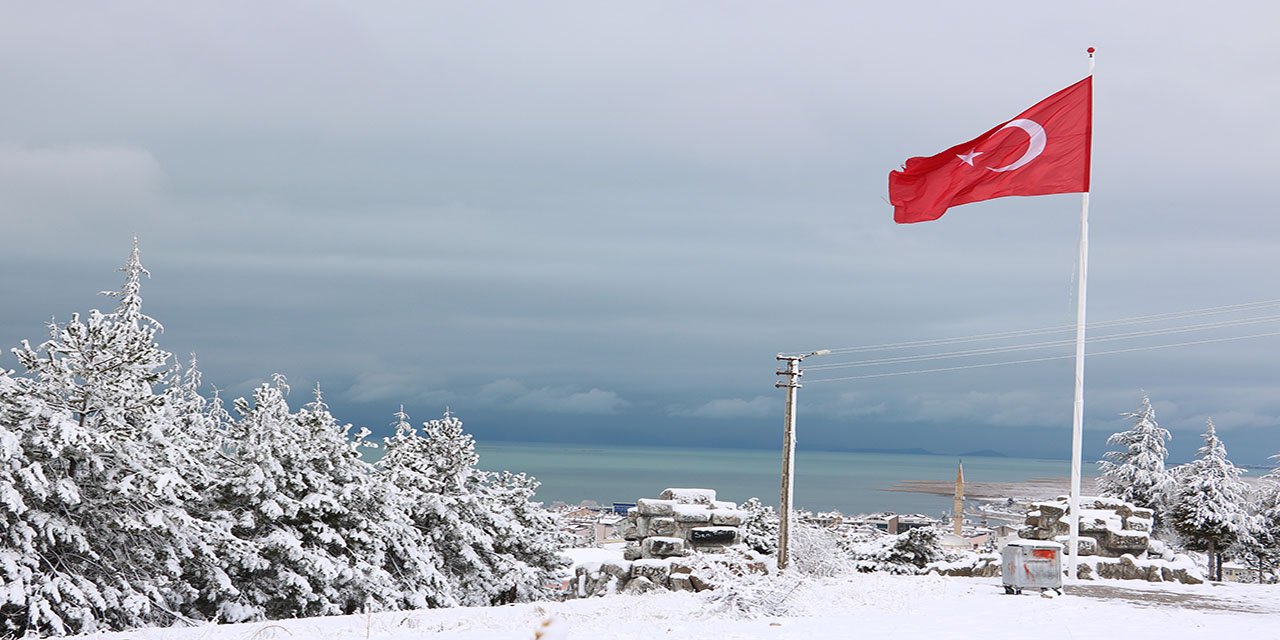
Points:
[(1044, 553)]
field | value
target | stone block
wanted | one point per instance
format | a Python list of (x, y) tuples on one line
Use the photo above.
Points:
[(713, 536), (1050, 509), (651, 507), (1085, 545), (690, 496), (662, 527), (620, 569), (1093, 525), (1034, 533), (656, 571), (632, 551), (607, 586), (699, 584), (1127, 569), (1121, 541), (682, 565), (727, 517), (691, 514), (662, 547), (1137, 524), (643, 526), (1049, 522), (626, 529), (638, 586), (1143, 512), (681, 582)]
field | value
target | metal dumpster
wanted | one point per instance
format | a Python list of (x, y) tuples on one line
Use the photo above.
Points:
[(1031, 564)]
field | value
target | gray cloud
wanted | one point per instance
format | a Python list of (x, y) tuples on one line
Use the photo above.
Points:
[(626, 210), (729, 408), (568, 399)]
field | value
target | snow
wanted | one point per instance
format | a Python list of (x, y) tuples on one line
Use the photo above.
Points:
[(691, 512), (855, 606), (690, 496), (583, 555)]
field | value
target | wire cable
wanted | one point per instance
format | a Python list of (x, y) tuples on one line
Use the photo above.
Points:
[(1221, 324), (1175, 315), (1044, 359)]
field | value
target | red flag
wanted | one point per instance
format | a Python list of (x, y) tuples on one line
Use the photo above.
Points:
[(1042, 150)]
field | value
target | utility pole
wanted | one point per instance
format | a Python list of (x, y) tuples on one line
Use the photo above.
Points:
[(791, 384)]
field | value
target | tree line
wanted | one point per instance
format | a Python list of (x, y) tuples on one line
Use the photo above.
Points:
[(129, 497), (1204, 504)]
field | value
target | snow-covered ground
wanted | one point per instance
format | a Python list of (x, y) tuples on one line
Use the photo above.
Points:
[(857, 606)]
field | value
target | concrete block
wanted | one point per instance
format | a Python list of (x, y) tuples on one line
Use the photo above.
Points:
[(651, 507)]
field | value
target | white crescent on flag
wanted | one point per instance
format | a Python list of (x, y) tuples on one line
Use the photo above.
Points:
[(1035, 148)]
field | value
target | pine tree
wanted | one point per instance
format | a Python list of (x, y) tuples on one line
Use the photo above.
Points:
[(490, 544), (761, 526), (1264, 543), (1137, 473), (40, 546), (526, 538), (106, 498), (1210, 501), (401, 485), (299, 500)]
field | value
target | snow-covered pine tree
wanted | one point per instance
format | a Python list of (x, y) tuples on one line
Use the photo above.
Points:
[(1137, 472), (105, 501), (526, 537), (1264, 547), (298, 498), (490, 543), (448, 514), (42, 594), (401, 483), (199, 432), (761, 526), (1210, 501)]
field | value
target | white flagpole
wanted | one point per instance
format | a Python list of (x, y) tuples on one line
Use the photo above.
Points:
[(1077, 417)]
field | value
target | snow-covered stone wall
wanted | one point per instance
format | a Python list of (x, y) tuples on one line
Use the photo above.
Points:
[(1108, 527), (679, 522), (666, 539), (1115, 540)]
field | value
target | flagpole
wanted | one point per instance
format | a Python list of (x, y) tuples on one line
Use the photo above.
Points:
[(1077, 417)]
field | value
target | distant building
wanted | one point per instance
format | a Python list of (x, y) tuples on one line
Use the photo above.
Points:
[(886, 522), (915, 521), (590, 526), (1236, 572)]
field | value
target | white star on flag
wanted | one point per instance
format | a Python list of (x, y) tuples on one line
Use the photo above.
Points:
[(967, 158)]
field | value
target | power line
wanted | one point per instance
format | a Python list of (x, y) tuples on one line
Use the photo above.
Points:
[(1221, 324), (1044, 359), (1175, 315)]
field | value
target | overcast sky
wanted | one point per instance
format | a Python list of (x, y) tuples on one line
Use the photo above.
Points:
[(599, 222)]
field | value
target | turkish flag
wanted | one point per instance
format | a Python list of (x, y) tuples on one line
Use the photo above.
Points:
[(1042, 150)]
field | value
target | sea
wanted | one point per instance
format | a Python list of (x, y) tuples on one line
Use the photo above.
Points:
[(849, 482)]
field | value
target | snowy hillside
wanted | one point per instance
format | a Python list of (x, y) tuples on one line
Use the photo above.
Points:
[(857, 606)]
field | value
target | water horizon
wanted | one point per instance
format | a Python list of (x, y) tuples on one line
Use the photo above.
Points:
[(847, 481)]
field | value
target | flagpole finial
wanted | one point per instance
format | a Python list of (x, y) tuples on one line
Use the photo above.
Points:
[(1091, 50)]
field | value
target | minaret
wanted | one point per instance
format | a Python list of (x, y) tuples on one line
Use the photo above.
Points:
[(957, 517)]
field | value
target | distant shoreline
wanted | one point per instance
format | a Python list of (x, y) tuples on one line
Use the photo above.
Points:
[(1032, 489)]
